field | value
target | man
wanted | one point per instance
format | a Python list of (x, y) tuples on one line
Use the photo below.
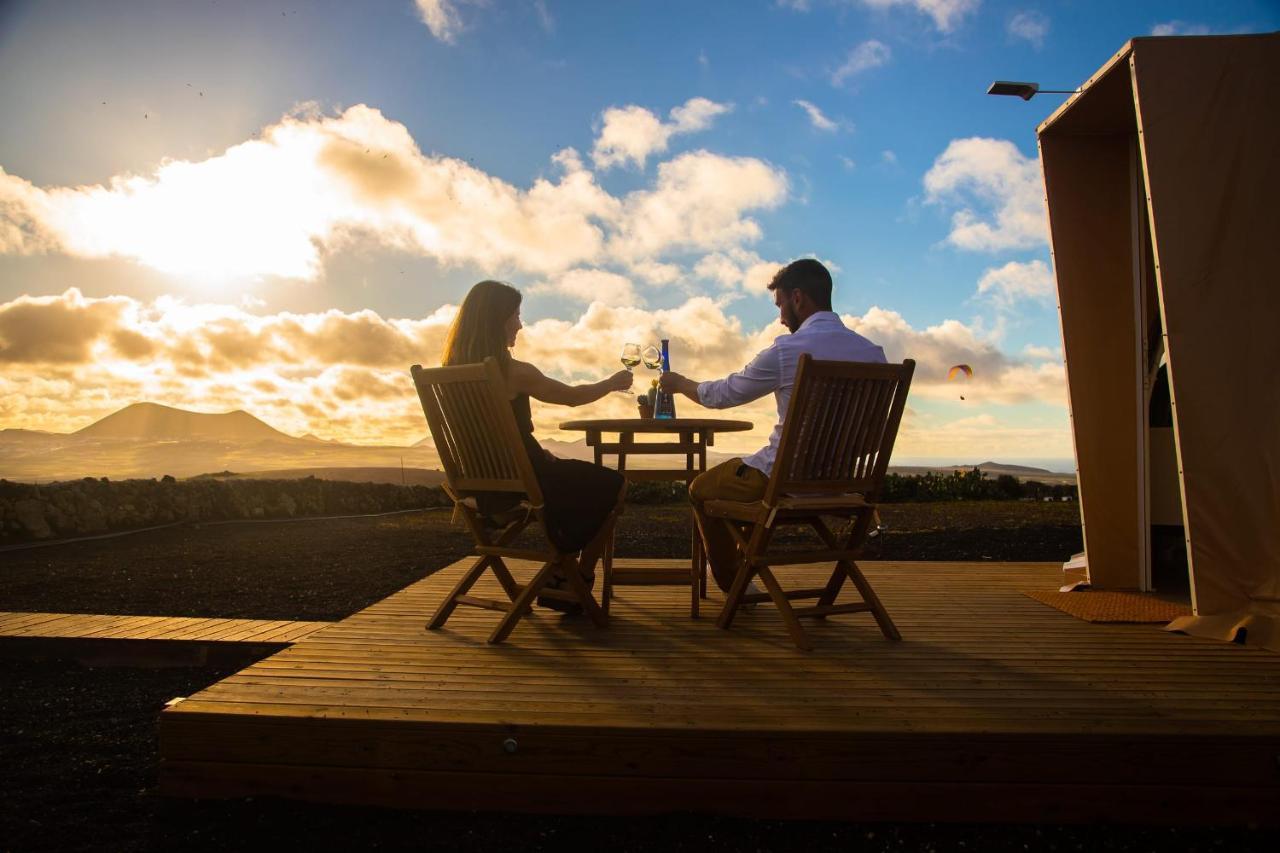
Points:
[(802, 292)]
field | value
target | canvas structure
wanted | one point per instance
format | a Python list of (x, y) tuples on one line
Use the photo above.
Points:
[(1162, 181)]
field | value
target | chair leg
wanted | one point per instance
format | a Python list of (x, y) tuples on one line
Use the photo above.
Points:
[(573, 573), (522, 604), (852, 545), (788, 614), (760, 536), (446, 608), (601, 548), (887, 627), (836, 582), (733, 598)]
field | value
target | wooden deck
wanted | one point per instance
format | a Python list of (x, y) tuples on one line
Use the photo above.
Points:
[(995, 707), (102, 640), (178, 628)]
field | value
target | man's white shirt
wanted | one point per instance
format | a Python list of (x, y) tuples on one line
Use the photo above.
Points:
[(823, 336)]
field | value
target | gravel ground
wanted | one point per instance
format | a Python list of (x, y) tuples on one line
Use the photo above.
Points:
[(78, 744)]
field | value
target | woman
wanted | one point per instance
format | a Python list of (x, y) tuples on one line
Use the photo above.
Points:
[(578, 496)]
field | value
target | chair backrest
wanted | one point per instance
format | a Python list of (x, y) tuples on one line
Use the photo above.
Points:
[(475, 430), (840, 427)]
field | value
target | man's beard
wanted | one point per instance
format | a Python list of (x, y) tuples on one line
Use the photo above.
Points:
[(789, 318)]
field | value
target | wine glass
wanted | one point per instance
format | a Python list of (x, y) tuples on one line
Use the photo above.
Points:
[(630, 358), (652, 357)]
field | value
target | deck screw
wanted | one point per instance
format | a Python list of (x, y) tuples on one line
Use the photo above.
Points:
[(509, 745)]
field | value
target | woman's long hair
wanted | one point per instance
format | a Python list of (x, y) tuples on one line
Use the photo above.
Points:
[(478, 330)]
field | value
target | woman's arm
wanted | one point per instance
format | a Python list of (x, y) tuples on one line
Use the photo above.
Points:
[(527, 379)]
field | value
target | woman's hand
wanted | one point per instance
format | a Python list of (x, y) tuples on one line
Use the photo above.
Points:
[(620, 381)]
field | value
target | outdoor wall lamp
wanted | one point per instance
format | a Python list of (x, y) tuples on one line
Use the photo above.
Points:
[(1026, 91)]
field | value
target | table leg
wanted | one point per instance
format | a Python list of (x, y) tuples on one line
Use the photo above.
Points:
[(695, 573), (606, 592)]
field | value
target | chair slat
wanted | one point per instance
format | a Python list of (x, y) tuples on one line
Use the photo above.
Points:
[(841, 457), (477, 424)]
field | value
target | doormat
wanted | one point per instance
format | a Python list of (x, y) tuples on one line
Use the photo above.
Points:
[(1108, 606)]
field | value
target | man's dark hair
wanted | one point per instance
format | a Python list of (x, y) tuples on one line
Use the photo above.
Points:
[(808, 276)]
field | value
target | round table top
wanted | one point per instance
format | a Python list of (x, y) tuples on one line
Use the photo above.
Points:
[(657, 425)]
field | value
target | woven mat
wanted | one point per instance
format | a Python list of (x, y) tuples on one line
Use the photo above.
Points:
[(1106, 606)]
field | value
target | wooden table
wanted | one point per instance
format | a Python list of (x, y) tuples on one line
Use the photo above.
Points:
[(687, 437)]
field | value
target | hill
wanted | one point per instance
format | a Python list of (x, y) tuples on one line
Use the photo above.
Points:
[(370, 474), (154, 422)]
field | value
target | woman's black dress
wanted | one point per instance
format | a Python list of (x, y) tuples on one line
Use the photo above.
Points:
[(577, 496)]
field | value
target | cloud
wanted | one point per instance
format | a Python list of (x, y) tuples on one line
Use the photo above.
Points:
[(1015, 282), (816, 118), (870, 54), (1030, 26), (343, 375), (994, 176), (545, 19), (441, 17), (946, 14), (1179, 28), (698, 202), (848, 163), (591, 285), (656, 273), (738, 269), (315, 185), (888, 158), (984, 436), (997, 376), (59, 329), (631, 134), (1042, 353)]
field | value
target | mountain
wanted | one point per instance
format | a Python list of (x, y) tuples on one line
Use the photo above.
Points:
[(1002, 468), (153, 422)]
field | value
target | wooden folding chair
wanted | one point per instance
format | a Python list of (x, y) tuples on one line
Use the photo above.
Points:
[(480, 448), (836, 442)]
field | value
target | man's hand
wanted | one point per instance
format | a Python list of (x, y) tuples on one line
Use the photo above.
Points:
[(674, 383)]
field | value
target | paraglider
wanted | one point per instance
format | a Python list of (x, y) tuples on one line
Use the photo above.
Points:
[(959, 370)]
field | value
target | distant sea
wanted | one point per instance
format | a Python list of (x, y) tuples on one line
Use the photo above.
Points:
[(1057, 466)]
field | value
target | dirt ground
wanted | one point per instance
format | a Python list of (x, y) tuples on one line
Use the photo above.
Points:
[(78, 743), (329, 569)]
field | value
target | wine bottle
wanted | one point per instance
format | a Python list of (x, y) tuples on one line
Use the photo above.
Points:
[(665, 406)]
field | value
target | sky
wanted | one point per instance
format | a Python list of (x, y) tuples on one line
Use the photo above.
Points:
[(277, 207)]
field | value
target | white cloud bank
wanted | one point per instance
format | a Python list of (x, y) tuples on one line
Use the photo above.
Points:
[(344, 375), (314, 184), (632, 133), (1000, 194)]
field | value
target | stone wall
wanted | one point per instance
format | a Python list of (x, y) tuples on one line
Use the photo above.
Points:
[(89, 506)]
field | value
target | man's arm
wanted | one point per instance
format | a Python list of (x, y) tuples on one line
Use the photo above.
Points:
[(758, 378)]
